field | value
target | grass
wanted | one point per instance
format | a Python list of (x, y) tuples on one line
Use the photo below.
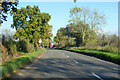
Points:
[(12, 65), (108, 56)]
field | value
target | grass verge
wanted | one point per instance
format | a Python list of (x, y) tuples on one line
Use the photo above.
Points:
[(108, 56), (9, 66)]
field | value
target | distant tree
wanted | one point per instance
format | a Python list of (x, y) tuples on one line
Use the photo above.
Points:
[(103, 37), (7, 33), (31, 24), (80, 31), (84, 26), (63, 39), (102, 40), (114, 40), (59, 36), (93, 18)]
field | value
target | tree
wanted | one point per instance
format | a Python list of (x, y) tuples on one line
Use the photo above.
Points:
[(114, 40), (31, 24), (5, 7), (79, 31), (75, 14), (63, 38), (85, 24), (93, 18)]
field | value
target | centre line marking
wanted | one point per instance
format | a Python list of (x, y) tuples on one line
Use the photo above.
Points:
[(97, 76), (68, 56), (75, 61)]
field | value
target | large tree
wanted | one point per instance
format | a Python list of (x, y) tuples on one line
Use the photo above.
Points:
[(63, 38), (31, 24), (84, 25), (80, 32), (93, 18)]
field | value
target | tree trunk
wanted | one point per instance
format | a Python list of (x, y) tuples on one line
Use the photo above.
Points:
[(36, 45)]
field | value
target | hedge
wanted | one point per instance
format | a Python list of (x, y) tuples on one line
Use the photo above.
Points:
[(16, 63), (108, 56)]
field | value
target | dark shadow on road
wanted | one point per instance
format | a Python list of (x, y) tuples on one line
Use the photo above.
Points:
[(66, 68)]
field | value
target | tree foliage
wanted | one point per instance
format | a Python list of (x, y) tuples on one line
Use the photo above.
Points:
[(93, 18), (84, 26), (5, 7), (31, 24)]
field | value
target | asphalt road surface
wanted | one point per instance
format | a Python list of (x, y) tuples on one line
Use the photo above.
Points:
[(64, 64)]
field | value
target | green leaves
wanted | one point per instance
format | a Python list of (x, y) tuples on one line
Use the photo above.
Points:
[(83, 26), (31, 24), (5, 7)]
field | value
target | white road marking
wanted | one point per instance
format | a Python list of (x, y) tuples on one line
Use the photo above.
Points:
[(97, 76), (75, 61), (68, 56)]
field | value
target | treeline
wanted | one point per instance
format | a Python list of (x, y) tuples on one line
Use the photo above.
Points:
[(31, 25), (84, 31)]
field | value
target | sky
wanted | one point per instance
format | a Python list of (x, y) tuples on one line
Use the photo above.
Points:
[(59, 12), (68, 0)]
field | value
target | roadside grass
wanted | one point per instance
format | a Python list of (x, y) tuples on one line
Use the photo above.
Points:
[(10, 66), (108, 56)]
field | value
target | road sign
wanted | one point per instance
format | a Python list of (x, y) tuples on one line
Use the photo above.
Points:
[(40, 41)]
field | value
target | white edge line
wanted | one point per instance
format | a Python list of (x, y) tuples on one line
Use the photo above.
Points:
[(97, 76), (75, 61), (67, 56)]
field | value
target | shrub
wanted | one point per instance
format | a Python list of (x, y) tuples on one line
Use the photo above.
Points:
[(110, 48), (21, 46), (36, 46), (109, 56), (10, 46), (25, 46), (29, 46), (4, 53), (13, 49)]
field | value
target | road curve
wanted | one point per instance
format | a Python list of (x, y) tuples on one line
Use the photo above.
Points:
[(64, 64)]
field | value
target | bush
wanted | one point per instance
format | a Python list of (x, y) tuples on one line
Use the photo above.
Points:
[(4, 53), (21, 46), (109, 56), (110, 48), (36, 46), (25, 46), (11, 47), (29, 46)]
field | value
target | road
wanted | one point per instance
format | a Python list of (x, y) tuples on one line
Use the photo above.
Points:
[(64, 64)]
